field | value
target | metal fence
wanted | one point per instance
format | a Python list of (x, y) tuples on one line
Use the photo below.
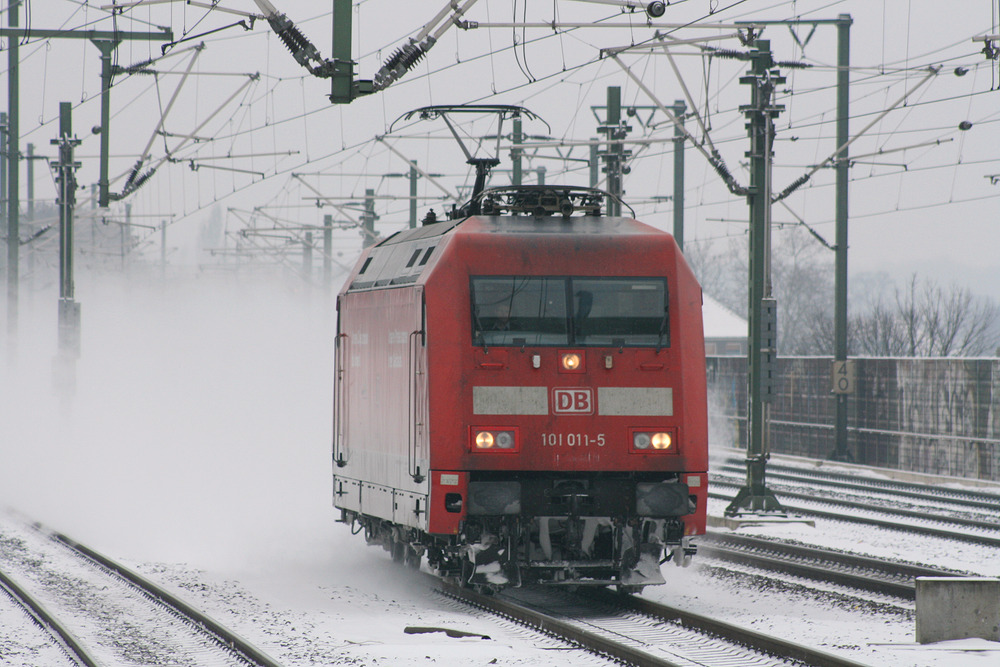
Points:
[(938, 416)]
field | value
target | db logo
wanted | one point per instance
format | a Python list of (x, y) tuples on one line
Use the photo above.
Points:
[(573, 401)]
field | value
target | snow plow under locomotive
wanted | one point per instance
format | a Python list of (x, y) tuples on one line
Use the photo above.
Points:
[(520, 395)]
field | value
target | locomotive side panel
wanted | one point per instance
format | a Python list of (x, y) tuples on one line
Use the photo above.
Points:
[(380, 449), (692, 363)]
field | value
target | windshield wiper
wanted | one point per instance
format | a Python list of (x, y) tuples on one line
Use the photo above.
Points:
[(479, 328), (664, 330)]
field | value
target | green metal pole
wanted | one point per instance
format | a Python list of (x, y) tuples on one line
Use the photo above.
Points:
[(163, 249), (106, 48), (327, 250), (755, 497), (614, 158), (515, 154), (758, 231), (3, 187), (841, 452), (679, 109), (342, 81), (13, 171), (368, 219), (307, 257), (595, 166), (30, 217), (126, 230), (67, 187), (413, 194), (69, 310), (31, 182)]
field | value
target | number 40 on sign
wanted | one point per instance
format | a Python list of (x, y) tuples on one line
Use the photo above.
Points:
[(842, 377)]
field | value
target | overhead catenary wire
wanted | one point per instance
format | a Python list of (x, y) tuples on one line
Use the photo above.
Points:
[(316, 158)]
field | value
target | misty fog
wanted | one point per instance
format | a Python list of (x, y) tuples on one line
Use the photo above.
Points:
[(200, 425)]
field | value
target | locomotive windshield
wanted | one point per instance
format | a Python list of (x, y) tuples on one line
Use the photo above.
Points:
[(569, 311)]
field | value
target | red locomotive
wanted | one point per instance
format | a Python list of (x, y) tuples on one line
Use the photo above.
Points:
[(520, 394)]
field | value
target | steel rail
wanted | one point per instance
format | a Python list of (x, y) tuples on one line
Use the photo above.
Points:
[(881, 523), (899, 581), (894, 511), (595, 643), (903, 489), (734, 633), (224, 635), (43, 617), (553, 626)]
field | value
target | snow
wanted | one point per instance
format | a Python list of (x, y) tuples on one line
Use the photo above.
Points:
[(719, 321), (197, 448)]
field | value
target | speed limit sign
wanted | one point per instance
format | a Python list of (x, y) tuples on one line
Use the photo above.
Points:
[(842, 377)]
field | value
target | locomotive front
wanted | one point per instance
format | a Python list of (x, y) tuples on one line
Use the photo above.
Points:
[(566, 388)]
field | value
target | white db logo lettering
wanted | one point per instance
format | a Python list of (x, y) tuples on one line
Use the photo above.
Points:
[(573, 401)]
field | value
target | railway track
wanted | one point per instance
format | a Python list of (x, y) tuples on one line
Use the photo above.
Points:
[(73, 651), (923, 522), (100, 612), (636, 631), (874, 575), (962, 499)]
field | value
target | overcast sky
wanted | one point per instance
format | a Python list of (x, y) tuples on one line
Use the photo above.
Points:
[(925, 202)]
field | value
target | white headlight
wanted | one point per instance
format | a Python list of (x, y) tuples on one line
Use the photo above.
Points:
[(641, 440), (661, 441), (495, 440)]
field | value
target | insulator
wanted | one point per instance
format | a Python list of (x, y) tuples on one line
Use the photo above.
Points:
[(729, 53), (412, 57), (140, 67), (795, 185), (394, 60), (297, 43), (401, 61), (134, 183), (793, 64), (723, 171), (139, 182), (132, 175)]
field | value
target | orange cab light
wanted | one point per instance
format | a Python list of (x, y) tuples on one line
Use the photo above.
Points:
[(571, 361)]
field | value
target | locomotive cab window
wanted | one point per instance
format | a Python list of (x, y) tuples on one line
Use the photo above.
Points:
[(574, 311)]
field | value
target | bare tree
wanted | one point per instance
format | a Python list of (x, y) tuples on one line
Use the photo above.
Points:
[(927, 320), (802, 276), (802, 282), (722, 272), (877, 331), (922, 319)]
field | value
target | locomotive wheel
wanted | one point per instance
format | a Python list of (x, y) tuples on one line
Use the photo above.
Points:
[(398, 549), (412, 558), (468, 569)]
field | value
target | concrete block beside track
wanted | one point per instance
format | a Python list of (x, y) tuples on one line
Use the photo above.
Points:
[(957, 608)]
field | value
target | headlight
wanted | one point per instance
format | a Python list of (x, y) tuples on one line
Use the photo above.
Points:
[(493, 440), (661, 441), (571, 361), (658, 440)]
